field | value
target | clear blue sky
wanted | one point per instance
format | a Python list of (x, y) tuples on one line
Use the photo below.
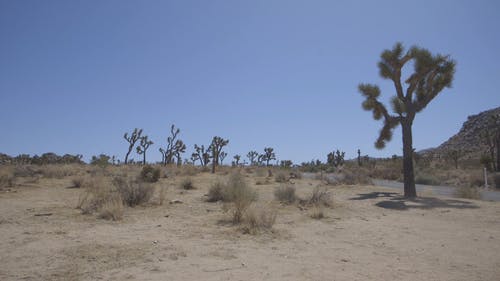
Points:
[(76, 75)]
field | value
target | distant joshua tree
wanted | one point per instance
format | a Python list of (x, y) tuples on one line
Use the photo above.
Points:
[(174, 148), (216, 148), (335, 158), (201, 154), (237, 159), (143, 147), (268, 155), (132, 140), (252, 157), (222, 156), (432, 73), (359, 157)]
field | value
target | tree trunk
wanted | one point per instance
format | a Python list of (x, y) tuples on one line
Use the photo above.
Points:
[(214, 162), (144, 158), (409, 176), (126, 157), (498, 150)]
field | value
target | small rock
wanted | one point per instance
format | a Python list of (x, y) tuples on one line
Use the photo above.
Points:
[(176, 201)]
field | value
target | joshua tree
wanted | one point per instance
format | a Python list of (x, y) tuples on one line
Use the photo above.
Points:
[(237, 159), (143, 147), (268, 155), (454, 155), (359, 157), (175, 148), (335, 158), (252, 156), (201, 154), (222, 156), (432, 73), (132, 140), (216, 148)]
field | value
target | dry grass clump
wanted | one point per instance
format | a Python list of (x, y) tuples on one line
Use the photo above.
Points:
[(239, 195), (57, 171), (98, 192), (280, 177), (393, 173), (162, 195), (295, 174), (260, 172), (317, 212), (468, 192), (112, 209), (189, 170), (26, 171), (259, 218), (285, 194), (216, 192), (150, 174), (187, 184), (320, 196), (6, 179), (132, 192), (355, 176), (79, 181)]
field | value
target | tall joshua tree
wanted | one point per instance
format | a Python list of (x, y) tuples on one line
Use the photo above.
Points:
[(201, 154), (431, 74), (216, 148), (268, 155), (175, 147), (252, 156), (143, 147), (132, 140)]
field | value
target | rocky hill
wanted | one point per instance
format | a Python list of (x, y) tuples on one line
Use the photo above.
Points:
[(468, 140)]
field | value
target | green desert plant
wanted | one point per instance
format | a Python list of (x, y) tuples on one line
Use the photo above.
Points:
[(431, 74)]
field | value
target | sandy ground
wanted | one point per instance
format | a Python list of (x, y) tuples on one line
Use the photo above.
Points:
[(370, 234)]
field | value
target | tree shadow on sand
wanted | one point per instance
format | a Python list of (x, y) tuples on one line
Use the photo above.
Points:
[(397, 202)]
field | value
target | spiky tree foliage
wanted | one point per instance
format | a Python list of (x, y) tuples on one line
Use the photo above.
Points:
[(222, 156), (252, 157), (237, 159), (268, 155), (132, 140), (102, 160), (335, 158), (286, 163), (216, 148), (175, 148), (143, 147), (201, 154), (431, 74)]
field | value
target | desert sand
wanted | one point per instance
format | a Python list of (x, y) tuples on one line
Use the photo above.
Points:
[(369, 234)]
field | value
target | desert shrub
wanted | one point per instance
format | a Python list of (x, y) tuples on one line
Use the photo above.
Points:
[(356, 176), (150, 174), (133, 193), (58, 171), (26, 171), (476, 179), (189, 170), (259, 218), (280, 177), (112, 209), (387, 173), (216, 192), (320, 196), (285, 194), (468, 192), (78, 182), (317, 212), (6, 179), (260, 172), (187, 184), (240, 196), (295, 174), (95, 195), (426, 179)]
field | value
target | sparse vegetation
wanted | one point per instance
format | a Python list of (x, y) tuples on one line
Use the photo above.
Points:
[(132, 192), (281, 177), (239, 195), (150, 174), (285, 194), (259, 218), (317, 212), (216, 192), (320, 197), (78, 182), (187, 184), (468, 192)]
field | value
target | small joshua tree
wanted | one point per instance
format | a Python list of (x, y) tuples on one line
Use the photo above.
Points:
[(491, 136), (252, 157), (222, 156), (359, 157), (132, 140), (335, 158), (175, 148), (201, 154), (432, 73), (143, 147), (268, 155), (216, 148), (237, 159)]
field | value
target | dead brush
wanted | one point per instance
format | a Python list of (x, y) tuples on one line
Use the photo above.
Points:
[(112, 209), (6, 178), (285, 194), (320, 197), (280, 177), (259, 218), (132, 192), (239, 197), (97, 193), (216, 192), (187, 184)]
